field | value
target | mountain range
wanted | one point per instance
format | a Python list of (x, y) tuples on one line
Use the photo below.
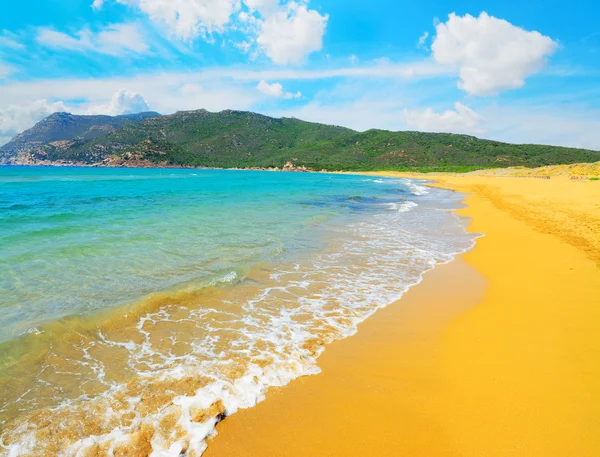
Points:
[(239, 139)]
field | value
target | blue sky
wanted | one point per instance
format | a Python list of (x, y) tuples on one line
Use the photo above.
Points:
[(516, 71)]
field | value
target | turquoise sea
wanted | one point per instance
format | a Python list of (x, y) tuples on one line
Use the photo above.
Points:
[(128, 296)]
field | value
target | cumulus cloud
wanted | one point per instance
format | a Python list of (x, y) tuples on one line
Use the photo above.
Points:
[(272, 90), (276, 90), (492, 54), (122, 102), (289, 36), (460, 120), (115, 39)]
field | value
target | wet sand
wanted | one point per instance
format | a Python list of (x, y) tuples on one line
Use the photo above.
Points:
[(494, 354)]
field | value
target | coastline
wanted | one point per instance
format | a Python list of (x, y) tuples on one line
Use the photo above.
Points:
[(452, 369)]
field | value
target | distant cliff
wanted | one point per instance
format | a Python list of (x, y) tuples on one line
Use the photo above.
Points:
[(238, 139)]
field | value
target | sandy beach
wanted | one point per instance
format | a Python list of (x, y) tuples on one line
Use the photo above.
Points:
[(493, 354)]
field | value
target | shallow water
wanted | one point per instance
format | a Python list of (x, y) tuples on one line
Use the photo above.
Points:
[(139, 307)]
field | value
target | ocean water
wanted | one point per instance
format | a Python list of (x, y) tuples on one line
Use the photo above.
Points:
[(138, 307)]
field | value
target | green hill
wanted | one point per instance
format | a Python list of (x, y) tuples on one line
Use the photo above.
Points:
[(233, 139)]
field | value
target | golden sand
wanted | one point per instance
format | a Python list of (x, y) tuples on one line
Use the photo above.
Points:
[(495, 354)]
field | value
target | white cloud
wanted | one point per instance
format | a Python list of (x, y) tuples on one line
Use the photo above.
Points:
[(460, 120), (291, 95), (286, 32), (221, 87), (188, 19), (353, 59), (7, 40), (272, 90), (264, 6), (423, 40), (492, 54), (115, 39), (289, 36), (276, 90), (119, 37), (382, 69), (244, 46), (54, 39), (122, 102), (190, 89)]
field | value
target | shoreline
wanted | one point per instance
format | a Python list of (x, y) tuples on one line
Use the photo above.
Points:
[(362, 403), (125, 336), (511, 374)]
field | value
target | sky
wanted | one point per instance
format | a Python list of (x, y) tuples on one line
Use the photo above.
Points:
[(515, 71)]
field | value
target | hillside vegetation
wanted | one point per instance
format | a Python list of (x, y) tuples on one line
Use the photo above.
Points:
[(235, 139)]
